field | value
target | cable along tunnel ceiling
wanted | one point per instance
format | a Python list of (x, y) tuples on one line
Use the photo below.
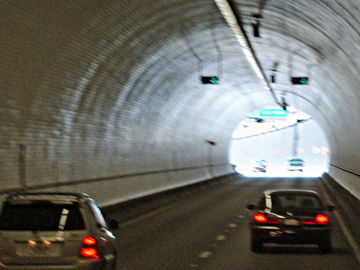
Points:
[(100, 89)]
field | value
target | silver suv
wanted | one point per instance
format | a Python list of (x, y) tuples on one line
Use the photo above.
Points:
[(54, 231)]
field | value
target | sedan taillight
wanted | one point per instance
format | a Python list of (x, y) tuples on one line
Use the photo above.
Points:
[(320, 219), (259, 218), (262, 219)]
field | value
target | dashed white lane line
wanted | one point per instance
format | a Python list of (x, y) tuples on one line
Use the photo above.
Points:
[(220, 237), (150, 214), (355, 247), (205, 254)]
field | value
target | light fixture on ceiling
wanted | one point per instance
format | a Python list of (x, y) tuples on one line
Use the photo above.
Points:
[(256, 24), (284, 104), (273, 80), (214, 79), (256, 27), (273, 72)]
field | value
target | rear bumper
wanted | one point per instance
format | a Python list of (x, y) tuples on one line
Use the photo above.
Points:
[(259, 170), (81, 265), (302, 235), (295, 169)]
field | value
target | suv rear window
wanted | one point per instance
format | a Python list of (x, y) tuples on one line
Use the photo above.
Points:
[(40, 217)]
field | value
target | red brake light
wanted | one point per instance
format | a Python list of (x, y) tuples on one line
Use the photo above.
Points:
[(273, 221), (260, 218), (309, 222), (88, 252), (321, 219), (89, 241)]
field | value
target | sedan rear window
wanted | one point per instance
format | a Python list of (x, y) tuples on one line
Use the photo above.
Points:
[(300, 201), (296, 160), (41, 217)]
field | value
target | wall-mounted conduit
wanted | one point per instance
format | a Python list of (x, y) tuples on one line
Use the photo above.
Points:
[(101, 179)]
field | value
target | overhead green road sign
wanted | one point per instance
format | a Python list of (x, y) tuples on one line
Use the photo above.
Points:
[(269, 113)]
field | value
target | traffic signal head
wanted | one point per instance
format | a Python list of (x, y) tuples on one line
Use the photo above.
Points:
[(299, 80), (209, 79)]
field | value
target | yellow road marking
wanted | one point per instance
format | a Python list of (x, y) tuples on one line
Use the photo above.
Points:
[(150, 214)]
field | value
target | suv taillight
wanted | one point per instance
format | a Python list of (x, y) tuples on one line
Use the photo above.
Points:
[(89, 250), (89, 241)]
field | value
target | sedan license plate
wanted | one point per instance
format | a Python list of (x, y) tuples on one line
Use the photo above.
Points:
[(291, 222)]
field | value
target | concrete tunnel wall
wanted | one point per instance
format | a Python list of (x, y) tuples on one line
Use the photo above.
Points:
[(104, 97)]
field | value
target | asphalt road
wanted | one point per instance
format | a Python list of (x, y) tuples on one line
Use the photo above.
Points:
[(207, 229)]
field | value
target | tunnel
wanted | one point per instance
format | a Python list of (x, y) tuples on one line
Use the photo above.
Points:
[(122, 99), (273, 140)]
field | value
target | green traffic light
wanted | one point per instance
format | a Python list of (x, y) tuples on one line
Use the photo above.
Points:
[(303, 80), (209, 79), (213, 80), (300, 80)]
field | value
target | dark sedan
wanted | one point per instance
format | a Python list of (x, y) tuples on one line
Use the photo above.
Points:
[(258, 165), (290, 216)]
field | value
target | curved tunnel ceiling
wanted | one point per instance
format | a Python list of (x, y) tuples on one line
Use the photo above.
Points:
[(96, 89)]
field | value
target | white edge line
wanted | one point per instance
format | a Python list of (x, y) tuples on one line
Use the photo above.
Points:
[(355, 247)]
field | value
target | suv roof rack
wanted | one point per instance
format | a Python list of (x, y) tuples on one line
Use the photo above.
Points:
[(24, 194)]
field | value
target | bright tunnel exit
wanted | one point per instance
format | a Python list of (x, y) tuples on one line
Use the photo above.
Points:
[(274, 142)]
